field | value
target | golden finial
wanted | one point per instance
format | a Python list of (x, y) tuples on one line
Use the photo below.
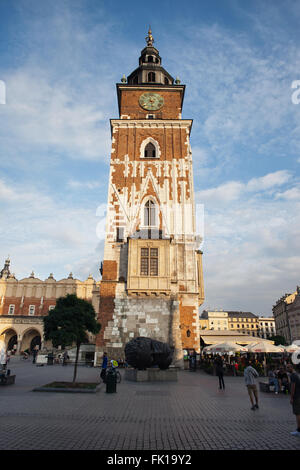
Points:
[(149, 38)]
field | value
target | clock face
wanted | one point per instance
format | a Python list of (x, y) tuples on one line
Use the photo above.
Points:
[(151, 101)]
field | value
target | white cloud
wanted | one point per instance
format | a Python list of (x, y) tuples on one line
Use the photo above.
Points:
[(290, 194), (44, 234), (234, 190), (41, 114), (269, 181), (251, 245), (84, 184)]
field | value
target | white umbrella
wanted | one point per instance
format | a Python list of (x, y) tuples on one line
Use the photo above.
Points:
[(227, 346), (264, 347), (291, 348)]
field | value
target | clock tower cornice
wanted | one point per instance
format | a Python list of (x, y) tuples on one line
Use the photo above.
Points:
[(151, 123), (121, 87)]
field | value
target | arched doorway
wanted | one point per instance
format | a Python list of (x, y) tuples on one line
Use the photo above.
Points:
[(10, 339), (35, 341), (11, 343), (30, 339)]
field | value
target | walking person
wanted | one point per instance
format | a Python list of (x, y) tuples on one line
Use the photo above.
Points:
[(295, 396), (220, 371), (65, 358), (250, 374), (35, 353), (104, 367)]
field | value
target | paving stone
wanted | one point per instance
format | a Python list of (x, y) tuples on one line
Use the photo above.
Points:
[(184, 415)]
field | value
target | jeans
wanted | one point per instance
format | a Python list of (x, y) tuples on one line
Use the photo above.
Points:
[(274, 381), (221, 381)]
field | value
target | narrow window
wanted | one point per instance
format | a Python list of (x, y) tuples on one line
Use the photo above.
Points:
[(151, 77), (150, 151), (150, 58), (153, 261), (188, 333), (144, 261), (149, 214), (166, 81), (120, 234), (11, 310), (31, 309), (149, 261)]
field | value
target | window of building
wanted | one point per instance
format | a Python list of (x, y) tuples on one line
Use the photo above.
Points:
[(150, 58), (120, 234), (151, 77), (11, 309), (31, 309), (166, 81), (150, 151), (238, 326), (149, 261), (149, 214), (135, 80), (151, 116), (188, 333)]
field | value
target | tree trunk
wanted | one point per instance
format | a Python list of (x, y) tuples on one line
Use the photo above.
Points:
[(76, 361)]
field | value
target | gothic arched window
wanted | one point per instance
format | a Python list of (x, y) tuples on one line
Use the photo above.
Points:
[(149, 214), (151, 77), (150, 151)]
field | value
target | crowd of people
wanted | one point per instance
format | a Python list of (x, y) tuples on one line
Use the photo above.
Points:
[(285, 379)]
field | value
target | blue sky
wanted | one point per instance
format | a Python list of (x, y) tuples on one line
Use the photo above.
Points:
[(60, 61)]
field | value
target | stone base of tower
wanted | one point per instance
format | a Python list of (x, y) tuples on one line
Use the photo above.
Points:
[(130, 317)]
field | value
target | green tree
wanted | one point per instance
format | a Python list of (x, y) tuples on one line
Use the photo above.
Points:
[(69, 322), (278, 340)]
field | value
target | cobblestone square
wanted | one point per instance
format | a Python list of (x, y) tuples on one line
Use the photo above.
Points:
[(185, 415)]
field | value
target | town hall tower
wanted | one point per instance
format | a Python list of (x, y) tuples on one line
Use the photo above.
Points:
[(152, 282)]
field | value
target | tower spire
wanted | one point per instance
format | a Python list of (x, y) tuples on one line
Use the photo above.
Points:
[(5, 272), (149, 38)]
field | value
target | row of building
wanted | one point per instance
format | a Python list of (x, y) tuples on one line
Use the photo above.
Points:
[(285, 321), (23, 303), (242, 322)]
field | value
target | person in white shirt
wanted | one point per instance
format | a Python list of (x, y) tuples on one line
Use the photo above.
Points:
[(250, 375)]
